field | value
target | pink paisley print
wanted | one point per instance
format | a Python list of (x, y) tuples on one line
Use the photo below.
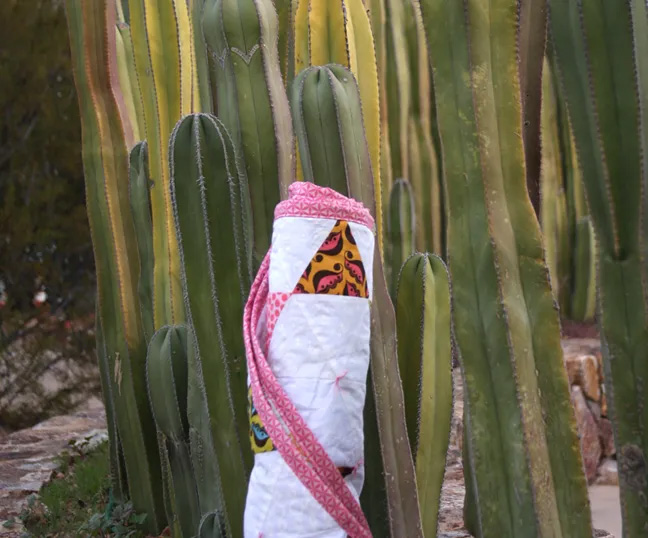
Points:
[(289, 432), (309, 200)]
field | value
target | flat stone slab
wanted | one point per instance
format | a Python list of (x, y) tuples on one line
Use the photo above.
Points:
[(28, 457)]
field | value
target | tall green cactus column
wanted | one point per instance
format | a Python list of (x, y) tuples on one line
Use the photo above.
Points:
[(241, 38), (167, 381), (162, 48), (425, 360), (526, 466), (340, 33), (209, 197), (401, 230), (330, 133), (105, 161), (601, 50)]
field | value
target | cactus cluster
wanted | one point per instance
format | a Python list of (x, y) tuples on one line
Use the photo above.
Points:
[(600, 50), (566, 225), (434, 106), (425, 361), (523, 453)]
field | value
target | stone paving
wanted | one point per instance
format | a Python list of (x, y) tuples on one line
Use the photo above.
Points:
[(28, 457)]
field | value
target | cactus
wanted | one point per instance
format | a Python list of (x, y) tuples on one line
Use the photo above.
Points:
[(340, 33), (105, 161), (162, 47), (167, 388), (241, 36), (341, 152), (128, 83), (522, 443), (425, 360), (211, 526), (554, 216), (601, 50), (398, 87), (286, 42), (377, 14), (583, 296), (208, 192), (202, 83), (531, 41), (401, 230), (568, 235), (422, 159), (140, 203), (118, 482)]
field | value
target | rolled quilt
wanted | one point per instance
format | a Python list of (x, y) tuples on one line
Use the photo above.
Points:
[(307, 329)]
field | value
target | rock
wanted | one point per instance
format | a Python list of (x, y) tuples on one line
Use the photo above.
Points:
[(604, 405), (572, 364), (28, 457), (595, 409), (608, 474), (588, 433), (607, 437), (591, 382)]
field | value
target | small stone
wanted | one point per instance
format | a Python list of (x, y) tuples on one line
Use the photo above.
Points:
[(590, 381), (604, 405), (583, 370), (608, 474), (607, 437), (595, 409), (588, 433), (572, 364)]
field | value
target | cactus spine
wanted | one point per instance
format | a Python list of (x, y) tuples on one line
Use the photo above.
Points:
[(389, 470), (601, 50), (425, 360), (402, 229), (242, 38), (522, 443), (167, 388), (207, 191), (105, 162)]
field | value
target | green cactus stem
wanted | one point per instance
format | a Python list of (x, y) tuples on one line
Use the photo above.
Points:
[(105, 161), (521, 438), (207, 191), (389, 497), (425, 361), (162, 47), (241, 37), (139, 185), (601, 50), (167, 377), (401, 230)]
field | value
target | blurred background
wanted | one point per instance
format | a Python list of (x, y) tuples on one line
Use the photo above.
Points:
[(47, 362)]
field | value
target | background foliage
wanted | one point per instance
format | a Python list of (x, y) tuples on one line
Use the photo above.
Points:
[(44, 236)]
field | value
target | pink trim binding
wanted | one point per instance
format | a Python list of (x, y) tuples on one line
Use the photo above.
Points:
[(312, 201), (289, 432)]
